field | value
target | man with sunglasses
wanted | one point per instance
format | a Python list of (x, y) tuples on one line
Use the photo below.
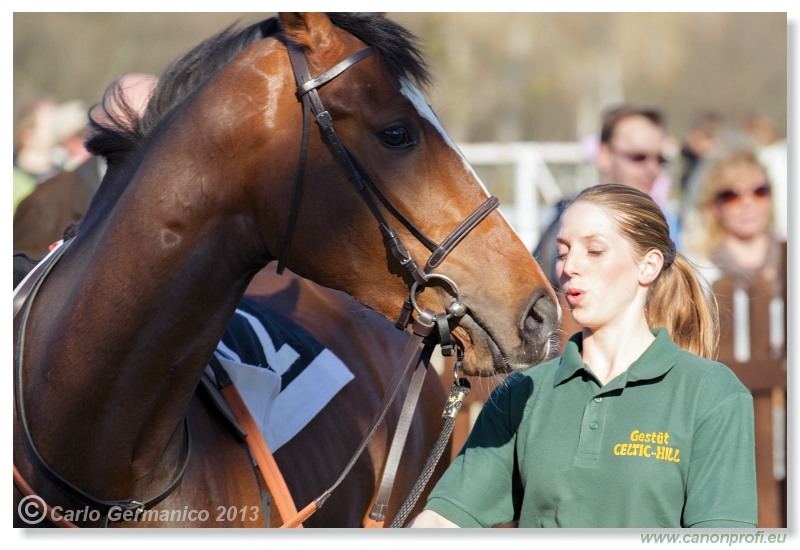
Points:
[(632, 142), (631, 152)]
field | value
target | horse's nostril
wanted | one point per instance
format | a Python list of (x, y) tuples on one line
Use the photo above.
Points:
[(541, 318), (534, 315)]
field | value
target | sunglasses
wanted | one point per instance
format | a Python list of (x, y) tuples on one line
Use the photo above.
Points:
[(642, 157), (729, 196)]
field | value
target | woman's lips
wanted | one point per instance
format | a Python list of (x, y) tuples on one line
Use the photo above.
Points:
[(574, 296)]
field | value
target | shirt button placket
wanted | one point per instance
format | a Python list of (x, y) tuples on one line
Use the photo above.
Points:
[(592, 430)]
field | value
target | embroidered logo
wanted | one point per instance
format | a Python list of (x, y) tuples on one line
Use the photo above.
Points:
[(653, 445)]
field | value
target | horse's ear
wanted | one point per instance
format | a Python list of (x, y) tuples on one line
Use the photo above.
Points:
[(311, 30)]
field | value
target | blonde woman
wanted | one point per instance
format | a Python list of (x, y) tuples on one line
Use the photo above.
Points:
[(731, 225), (635, 425)]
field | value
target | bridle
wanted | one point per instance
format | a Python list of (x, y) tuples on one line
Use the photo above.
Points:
[(307, 94), (428, 328), (426, 325)]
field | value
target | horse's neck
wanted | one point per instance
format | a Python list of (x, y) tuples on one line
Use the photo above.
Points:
[(123, 328)]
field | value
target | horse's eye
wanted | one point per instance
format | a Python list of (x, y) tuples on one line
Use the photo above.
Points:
[(396, 137)]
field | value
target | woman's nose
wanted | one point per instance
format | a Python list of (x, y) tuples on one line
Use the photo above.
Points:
[(568, 264)]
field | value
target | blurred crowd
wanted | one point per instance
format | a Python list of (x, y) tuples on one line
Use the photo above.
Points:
[(723, 186), (734, 226), (48, 138), (55, 177)]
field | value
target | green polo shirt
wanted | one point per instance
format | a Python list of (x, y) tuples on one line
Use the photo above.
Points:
[(668, 443)]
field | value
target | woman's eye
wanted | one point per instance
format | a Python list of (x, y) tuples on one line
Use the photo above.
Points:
[(396, 137)]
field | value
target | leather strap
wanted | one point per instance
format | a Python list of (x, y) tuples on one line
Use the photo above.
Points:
[(423, 325), (23, 300), (377, 515), (255, 441), (30, 282), (56, 519), (460, 232), (308, 85)]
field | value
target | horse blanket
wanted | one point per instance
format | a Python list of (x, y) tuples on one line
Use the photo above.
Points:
[(284, 375)]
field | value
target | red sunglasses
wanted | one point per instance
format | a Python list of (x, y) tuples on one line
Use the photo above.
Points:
[(729, 196)]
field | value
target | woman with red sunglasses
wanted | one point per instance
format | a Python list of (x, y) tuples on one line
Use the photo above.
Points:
[(731, 236)]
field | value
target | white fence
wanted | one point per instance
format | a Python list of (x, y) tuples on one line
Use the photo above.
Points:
[(529, 178)]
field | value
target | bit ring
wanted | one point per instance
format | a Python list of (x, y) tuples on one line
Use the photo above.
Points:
[(455, 308)]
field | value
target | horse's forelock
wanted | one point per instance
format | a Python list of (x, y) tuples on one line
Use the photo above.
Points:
[(393, 43)]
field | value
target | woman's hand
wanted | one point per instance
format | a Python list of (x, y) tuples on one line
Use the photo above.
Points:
[(427, 518)]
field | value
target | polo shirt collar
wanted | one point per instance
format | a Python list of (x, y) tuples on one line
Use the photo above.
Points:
[(656, 360)]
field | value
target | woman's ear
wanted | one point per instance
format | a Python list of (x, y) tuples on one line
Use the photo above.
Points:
[(650, 266)]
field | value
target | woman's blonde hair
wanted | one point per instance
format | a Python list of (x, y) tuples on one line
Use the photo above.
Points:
[(677, 300)]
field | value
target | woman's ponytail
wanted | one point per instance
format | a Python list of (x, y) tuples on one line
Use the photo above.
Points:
[(679, 302)]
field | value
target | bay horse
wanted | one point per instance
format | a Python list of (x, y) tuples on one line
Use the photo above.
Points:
[(220, 177)]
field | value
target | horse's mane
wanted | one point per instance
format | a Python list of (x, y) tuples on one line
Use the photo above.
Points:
[(124, 135)]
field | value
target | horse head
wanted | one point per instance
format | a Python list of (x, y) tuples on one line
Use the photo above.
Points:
[(398, 161)]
